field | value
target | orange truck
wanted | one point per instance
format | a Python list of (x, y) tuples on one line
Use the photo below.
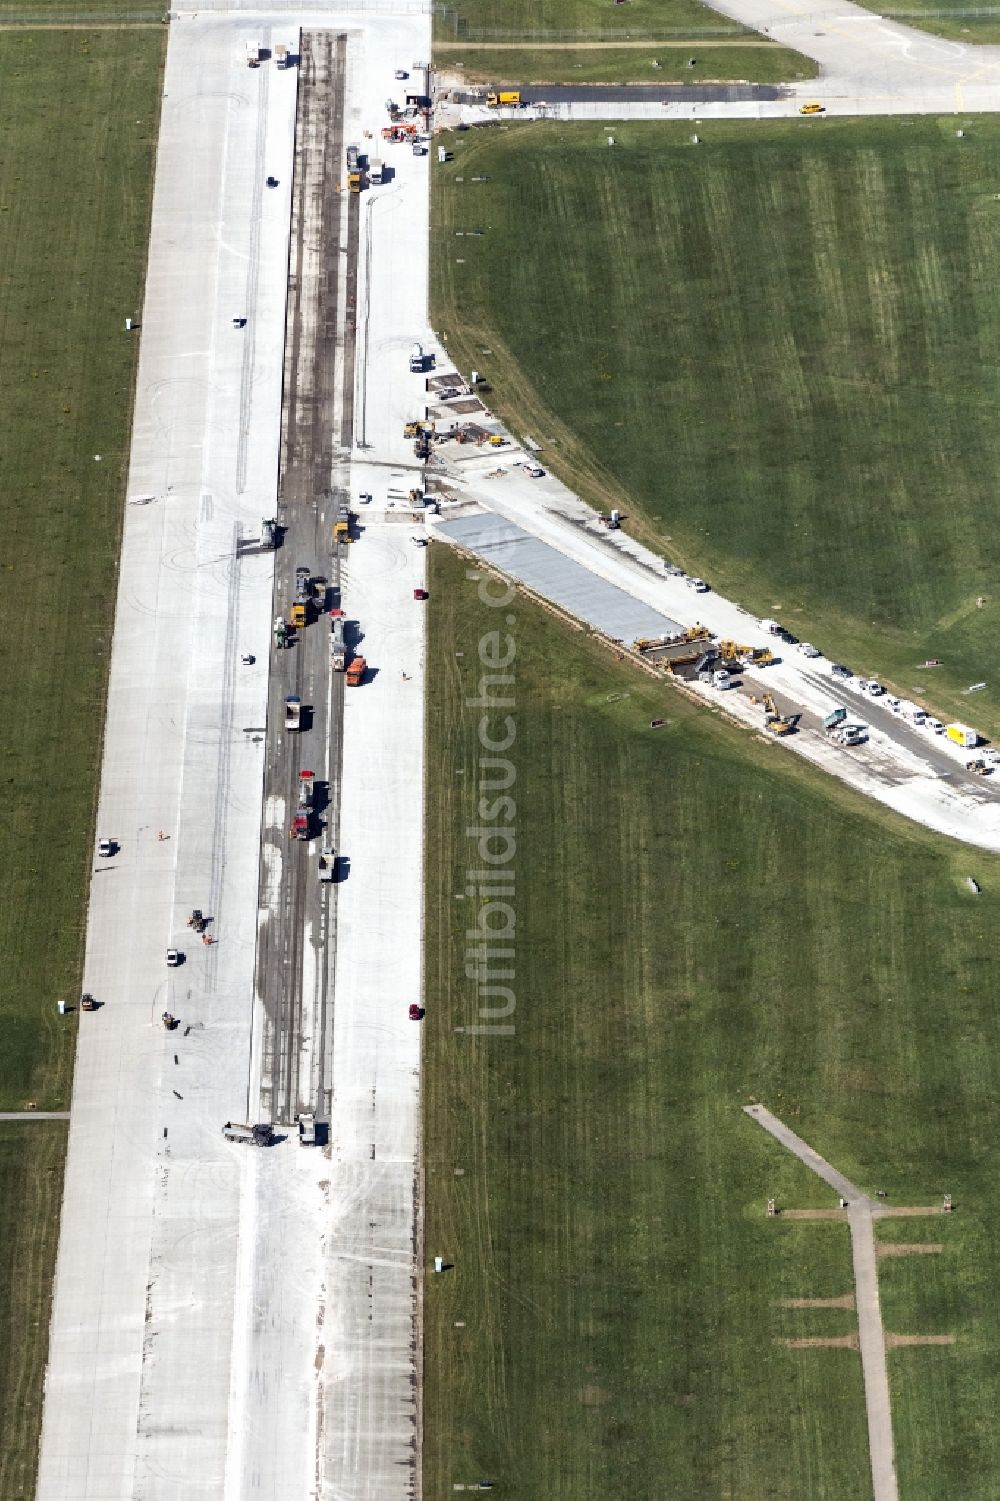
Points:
[(356, 672)]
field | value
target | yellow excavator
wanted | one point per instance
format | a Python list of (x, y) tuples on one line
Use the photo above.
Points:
[(778, 724)]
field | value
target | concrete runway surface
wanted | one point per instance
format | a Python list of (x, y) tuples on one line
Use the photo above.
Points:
[(229, 1321)]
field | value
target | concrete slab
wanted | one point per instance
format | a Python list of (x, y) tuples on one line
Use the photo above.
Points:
[(556, 577)]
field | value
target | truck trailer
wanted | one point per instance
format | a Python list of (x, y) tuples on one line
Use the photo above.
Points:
[(960, 734), (338, 646)]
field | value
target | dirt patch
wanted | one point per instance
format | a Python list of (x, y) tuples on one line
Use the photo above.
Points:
[(920, 1248), (906, 1211), (837, 1342), (903, 1341), (813, 1213), (845, 1301), (593, 1396)]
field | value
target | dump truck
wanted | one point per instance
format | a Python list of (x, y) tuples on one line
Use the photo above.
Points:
[(327, 864), (302, 582), (375, 173), (293, 712), (354, 182), (298, 615), (416, 359), (835, 717), (300, 825), (356, 672), (281, 58), (352, 159), (318, 598), (960, 734), (338, 646), (502, 97), (261, 1135), (342, 526)]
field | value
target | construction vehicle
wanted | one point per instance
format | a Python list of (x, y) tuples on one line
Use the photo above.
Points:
[(307, 1129), (268, 532), (356, 672), (293, 712), (417, 426), (338, 646), (302, 582), (318, 597), (300, 826), (697, 633), (169, 1021), (502, 97), (87, 1002), (612, 521), (342, 526), (834, 718), (352, 159), (422, 447), (960, 734), (778, 724), (298, 615), (261, 1135), (354, 182), (375, 173), (327, 864), (416, 359), (281, 57), (280, 632), (198, 920), (981, 768)]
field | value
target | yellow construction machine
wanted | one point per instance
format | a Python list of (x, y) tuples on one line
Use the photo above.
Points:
[(778, 724)]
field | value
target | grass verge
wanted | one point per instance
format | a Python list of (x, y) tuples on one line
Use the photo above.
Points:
[(775, 350), (699, 921), (78, 120), (733, 62), (31, 1175)]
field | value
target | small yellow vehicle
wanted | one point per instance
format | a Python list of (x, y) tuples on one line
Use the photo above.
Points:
[(811, 109)]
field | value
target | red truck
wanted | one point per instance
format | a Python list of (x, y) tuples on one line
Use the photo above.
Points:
[(356, 672)]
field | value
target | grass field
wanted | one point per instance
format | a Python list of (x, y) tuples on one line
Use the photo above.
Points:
[(753, 64), (700, 921), (74, 210), (776, 351), (956, 19), (538, 21)]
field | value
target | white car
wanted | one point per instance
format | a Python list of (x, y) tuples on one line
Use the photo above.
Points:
[(106, 848), (893, 703), (698, 585), (872, 688), (807, 649), (534, 471), (934, 725), (174, 957)]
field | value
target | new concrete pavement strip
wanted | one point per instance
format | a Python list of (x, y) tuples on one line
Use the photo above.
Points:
[(870, 1333), (557, 578)]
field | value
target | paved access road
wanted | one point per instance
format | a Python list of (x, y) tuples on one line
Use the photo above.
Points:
[(860, 1216)]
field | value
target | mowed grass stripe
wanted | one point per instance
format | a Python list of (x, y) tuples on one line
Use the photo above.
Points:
[(699, 923), (774, 349)]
